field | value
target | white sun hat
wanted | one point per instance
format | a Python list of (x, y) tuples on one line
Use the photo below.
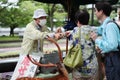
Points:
[(39, 13)]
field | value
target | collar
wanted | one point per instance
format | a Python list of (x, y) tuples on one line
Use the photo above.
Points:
[(105, 22), (36, 25)]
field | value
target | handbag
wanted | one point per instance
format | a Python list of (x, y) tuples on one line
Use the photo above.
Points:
[(73, 58), (63, 74)]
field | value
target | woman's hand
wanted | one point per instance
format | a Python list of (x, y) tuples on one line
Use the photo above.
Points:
[(98, 49), (93, 36), (67, 33)]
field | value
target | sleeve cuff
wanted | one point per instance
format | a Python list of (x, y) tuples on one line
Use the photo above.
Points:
[(97, 41), (52, 35)]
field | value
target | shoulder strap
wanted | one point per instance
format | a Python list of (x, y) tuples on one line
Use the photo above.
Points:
[(118, 28), (115, 23)]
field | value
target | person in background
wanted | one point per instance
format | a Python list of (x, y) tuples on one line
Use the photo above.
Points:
[(35, 33), (118, 21), (110, 41)]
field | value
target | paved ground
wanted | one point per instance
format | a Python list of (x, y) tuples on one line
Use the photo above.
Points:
[(2, 50)]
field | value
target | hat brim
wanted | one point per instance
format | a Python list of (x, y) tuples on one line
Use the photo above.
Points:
[(39, 16)]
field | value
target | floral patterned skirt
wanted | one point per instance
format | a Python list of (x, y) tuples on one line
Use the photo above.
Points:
[(89, 71), (76, 75)]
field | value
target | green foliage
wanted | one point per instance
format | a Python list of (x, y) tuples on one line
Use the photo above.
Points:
[(9, 38), (60, 16), (58, 24), (22, 15), (9, 54), (96, 23), (113, 14), (17, 15), (11, 17)]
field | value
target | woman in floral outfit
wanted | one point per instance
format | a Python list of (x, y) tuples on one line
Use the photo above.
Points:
[(89, 70)]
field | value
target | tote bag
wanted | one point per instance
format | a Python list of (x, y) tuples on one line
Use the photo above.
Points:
[(74, 56)]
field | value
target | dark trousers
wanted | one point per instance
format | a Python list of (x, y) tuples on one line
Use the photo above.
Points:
[(112, 65)]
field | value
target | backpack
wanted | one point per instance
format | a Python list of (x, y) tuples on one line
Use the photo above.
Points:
[(118, 28)]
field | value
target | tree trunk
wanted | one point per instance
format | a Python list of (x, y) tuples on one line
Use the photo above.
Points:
[(50, 13), (11, 31), (51, 22)]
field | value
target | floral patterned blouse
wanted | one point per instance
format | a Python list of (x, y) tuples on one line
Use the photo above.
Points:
[(90, 65)]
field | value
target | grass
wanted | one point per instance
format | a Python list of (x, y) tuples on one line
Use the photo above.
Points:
[(9, 54), (9, 38), (4, 43)]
